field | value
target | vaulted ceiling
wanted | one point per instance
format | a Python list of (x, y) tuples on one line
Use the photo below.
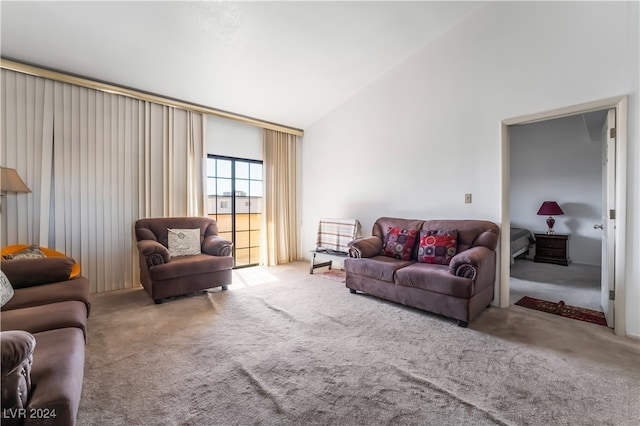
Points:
[(284, 62)]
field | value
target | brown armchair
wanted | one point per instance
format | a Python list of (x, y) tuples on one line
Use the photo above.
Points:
[(163, 275)]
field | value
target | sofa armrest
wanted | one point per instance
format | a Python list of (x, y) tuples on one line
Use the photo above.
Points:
[(365, 247), (17, 357), (154, 252), (467, 263), (24, 273), (217, 246)]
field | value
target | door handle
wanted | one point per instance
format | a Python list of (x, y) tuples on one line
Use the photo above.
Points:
[(598, 227)]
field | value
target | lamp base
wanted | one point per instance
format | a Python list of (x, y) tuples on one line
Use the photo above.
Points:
[(550, 222)]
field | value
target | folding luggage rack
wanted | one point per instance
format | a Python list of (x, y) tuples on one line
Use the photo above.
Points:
[(333, 240)]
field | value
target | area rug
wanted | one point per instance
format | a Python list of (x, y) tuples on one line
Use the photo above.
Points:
[(334, 275), (561, 309)]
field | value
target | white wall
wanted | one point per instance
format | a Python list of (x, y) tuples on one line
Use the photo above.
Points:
[(233, 139), (412, 143), (557, 160)]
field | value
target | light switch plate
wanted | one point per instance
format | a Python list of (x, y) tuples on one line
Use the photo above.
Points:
[(467, 198)]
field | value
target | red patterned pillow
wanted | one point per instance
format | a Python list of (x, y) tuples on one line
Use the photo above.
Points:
[(399, 243), (437, 246)]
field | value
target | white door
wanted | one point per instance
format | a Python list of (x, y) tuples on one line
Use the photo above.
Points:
[(608, 216)]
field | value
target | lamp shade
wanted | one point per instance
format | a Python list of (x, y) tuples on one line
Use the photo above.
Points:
[(550, 208), (10, 181)]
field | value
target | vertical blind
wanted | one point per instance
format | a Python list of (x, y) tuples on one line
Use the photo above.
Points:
[(95, 163)]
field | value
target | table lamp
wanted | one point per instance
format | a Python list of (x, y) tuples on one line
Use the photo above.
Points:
[(550, 208)]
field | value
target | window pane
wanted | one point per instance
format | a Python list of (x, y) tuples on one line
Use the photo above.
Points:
[(255, 171), (223, 187), (224, 226), (254, 255), (242, 257), (242, 187), (255, 188), (242, 170), (212, 209), (224, 168), (211, 186), (242, 239), (211, 167), (256, 205), (254, 239), (254, 221), (242, 221), (243, 205)]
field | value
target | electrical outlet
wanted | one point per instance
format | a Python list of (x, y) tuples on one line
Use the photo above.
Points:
[(467, 198)]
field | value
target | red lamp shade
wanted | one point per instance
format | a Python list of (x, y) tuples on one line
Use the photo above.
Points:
[(550, 208)]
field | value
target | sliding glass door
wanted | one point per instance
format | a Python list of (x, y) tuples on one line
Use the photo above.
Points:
[(234, 189)]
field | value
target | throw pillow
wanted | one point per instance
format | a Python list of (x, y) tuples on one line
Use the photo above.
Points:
[(437, 246), (6, 290), (399, 243), (184, 242), (31, 252)]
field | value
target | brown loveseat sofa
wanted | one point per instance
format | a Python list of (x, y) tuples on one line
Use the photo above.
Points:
[(163, 275), (43, 342), (458, 284)]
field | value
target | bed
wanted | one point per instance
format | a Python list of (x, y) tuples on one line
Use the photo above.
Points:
[(521, 241)]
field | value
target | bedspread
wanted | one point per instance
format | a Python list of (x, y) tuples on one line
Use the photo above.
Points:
[(521, 241)]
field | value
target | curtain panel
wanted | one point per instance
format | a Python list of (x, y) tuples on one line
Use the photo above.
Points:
[(280, 218), (95, 163)]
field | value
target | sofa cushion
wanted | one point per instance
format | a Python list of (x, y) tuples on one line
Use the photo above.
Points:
[(45, 317), (74, 289), (190, 265), (57, 375), (436, 278), (378, 267), (437, 246), (32, 272), (183, 242), (399, 242)]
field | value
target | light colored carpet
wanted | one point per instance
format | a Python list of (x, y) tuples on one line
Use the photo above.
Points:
[(576, 284), (283, 347)]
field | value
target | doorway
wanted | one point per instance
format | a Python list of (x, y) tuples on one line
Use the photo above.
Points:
[(620, 107), (234, 200), (556, 166)]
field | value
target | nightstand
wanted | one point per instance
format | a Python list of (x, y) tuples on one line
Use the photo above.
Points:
[(552, 248)]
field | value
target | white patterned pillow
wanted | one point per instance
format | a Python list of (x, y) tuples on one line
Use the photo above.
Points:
[(31, 252), (184, 242), (6, 290)]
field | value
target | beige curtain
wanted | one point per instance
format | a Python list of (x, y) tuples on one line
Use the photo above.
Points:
[(95, 162), (280, 219)]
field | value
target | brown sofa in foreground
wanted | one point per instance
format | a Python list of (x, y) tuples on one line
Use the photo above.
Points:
[(459, 285), (43, 342), (163, 275)]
